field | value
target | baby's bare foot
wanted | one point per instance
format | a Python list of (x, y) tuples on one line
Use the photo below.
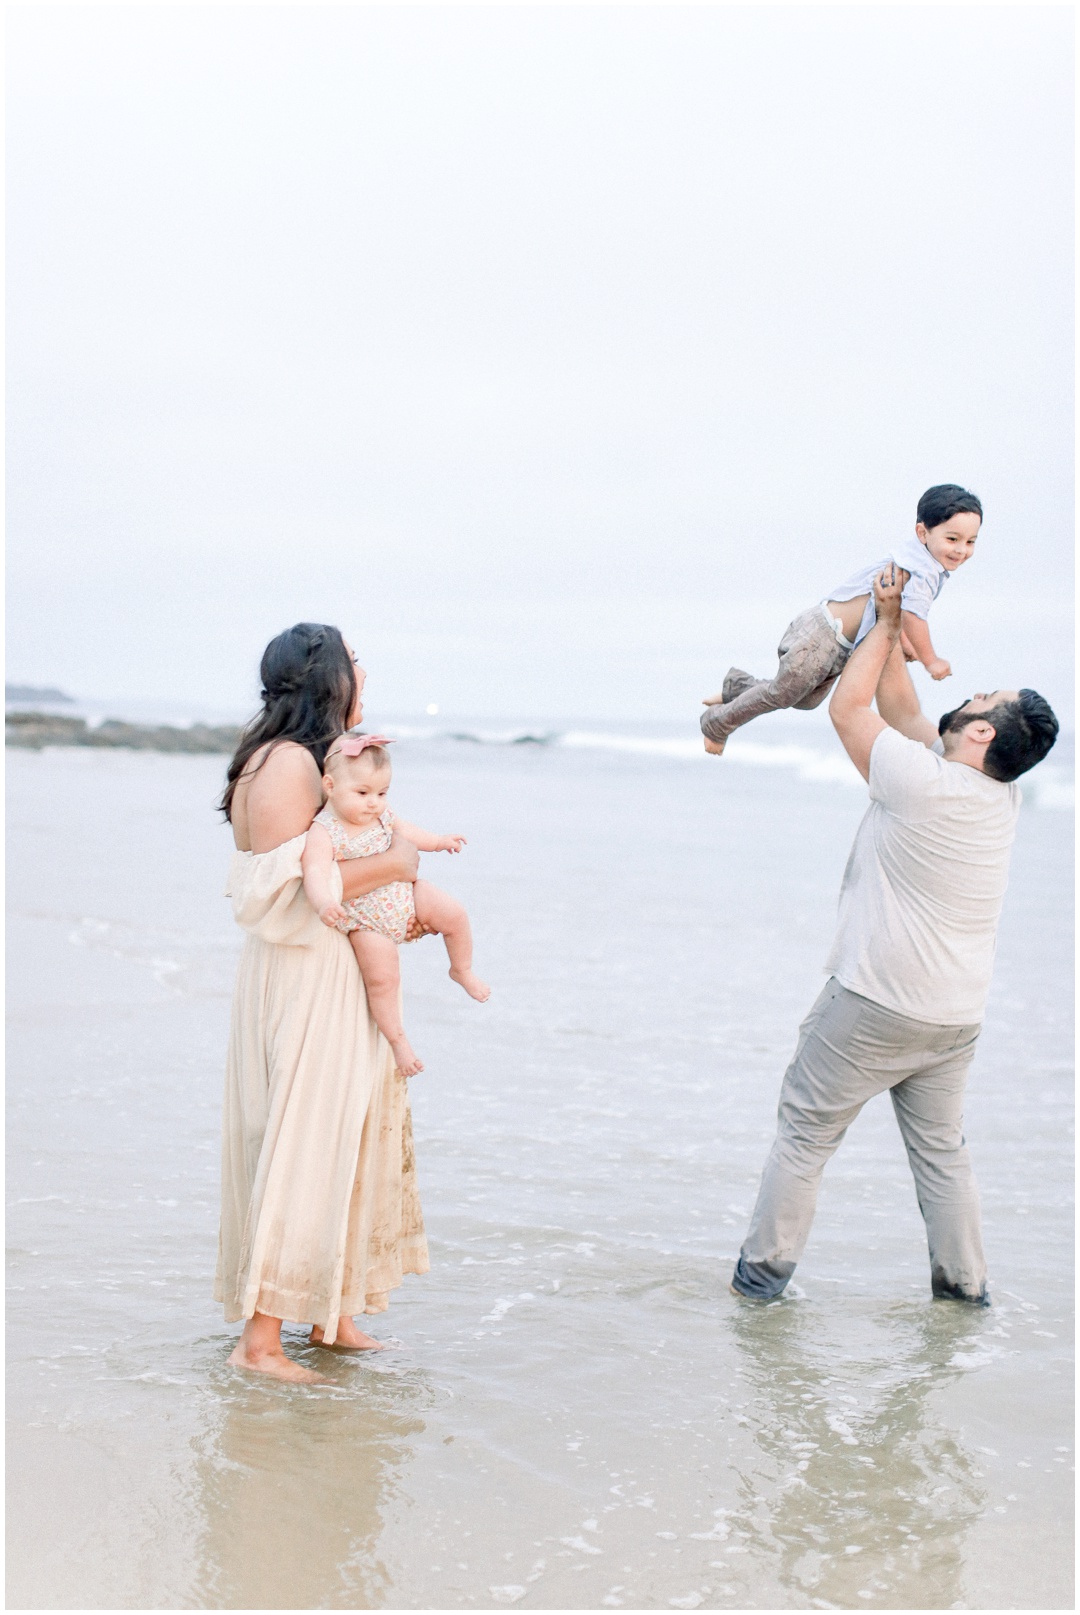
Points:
[(713, 700), (276, 1364), (349, 1338), (404, 1058), (472, 984)]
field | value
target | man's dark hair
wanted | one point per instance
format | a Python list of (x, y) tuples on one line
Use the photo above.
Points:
[(946, 500), (1025, 729)]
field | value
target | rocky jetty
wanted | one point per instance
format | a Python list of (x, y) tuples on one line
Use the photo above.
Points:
[(38, 729)]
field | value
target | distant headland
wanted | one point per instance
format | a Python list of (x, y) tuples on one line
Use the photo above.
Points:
[(46, 693), (37, 729)]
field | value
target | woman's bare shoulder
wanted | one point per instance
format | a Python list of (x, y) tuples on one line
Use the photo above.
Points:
[(277, 796), (280, 756), (280, 760)]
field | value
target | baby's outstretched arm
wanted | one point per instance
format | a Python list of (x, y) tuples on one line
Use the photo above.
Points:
[(916, 631), (316, 861), (427, 840)]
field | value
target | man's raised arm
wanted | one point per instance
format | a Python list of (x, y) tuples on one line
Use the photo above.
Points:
[(851, 707), (899, 705)]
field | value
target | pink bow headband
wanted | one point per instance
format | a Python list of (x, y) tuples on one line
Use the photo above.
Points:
[(353, 745)]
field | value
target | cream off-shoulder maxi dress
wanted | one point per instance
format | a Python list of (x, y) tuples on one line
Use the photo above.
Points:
[(320, 1215)]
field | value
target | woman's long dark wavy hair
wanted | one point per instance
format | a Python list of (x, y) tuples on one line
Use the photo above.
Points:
[(308, 689)]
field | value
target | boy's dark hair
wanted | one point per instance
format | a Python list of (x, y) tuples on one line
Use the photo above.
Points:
[(1026, 729), (947, 499)]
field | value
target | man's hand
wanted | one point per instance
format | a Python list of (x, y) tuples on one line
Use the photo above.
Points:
[(888, 588), (851, 706)]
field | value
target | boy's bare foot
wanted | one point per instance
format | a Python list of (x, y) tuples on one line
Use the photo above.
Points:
[(349, 1338), (713, 700), (404, 1058), (715, 747), (472, 984), (274, 1363)]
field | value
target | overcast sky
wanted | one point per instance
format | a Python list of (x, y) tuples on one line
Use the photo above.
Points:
[(558, 354)]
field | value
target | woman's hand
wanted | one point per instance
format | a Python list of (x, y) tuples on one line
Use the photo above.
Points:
[(401, 861), (406, 855)]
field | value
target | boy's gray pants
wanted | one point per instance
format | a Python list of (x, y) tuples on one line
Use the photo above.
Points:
[(849, 1050), (811, 659)]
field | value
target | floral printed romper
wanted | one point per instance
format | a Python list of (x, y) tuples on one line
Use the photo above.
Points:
[(388, 909)]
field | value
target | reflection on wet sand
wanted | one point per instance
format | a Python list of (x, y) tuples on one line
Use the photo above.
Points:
[(292, 1484), (869, 1498)]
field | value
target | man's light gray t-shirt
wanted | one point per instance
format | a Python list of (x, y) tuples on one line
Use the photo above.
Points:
[(923, 888)]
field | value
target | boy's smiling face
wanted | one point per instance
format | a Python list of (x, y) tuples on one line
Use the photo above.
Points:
[(951, 542)]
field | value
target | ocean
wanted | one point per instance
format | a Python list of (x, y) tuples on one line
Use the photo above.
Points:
[(574, 1412)]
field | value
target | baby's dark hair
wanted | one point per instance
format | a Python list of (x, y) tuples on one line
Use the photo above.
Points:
[(939, 504)]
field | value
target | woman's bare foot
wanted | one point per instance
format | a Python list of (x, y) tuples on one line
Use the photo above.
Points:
[(404, 1058), (472, 984), (274, 1363), (715, 747), (349, 1338)]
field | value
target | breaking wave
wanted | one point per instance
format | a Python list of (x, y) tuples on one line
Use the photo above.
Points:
[(1051, 786)]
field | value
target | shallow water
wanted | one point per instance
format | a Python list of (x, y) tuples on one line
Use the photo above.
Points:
[(575, 1412)]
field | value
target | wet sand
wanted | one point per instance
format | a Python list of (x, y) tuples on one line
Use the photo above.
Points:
[(575, 1412)]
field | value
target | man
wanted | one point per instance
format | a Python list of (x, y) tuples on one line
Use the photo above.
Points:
[(911, 961)]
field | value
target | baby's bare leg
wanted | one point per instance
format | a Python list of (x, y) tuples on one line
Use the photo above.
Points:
[(377, 957), (445, 915)]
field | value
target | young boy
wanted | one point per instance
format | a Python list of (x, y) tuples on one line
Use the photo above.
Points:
[(818, 642)]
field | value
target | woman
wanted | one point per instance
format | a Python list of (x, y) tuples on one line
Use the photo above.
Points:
[(319, 1212)]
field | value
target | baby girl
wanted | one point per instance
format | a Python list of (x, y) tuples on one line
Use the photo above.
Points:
[(355, 823)]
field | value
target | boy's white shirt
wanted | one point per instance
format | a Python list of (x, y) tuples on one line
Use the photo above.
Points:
[(921, 590)]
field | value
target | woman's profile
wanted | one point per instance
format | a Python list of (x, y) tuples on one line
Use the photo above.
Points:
[(320, 1217)]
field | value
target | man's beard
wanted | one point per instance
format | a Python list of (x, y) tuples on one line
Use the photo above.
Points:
[(948, 720)]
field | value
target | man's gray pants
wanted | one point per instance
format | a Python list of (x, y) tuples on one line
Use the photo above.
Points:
[(849, 1050)]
